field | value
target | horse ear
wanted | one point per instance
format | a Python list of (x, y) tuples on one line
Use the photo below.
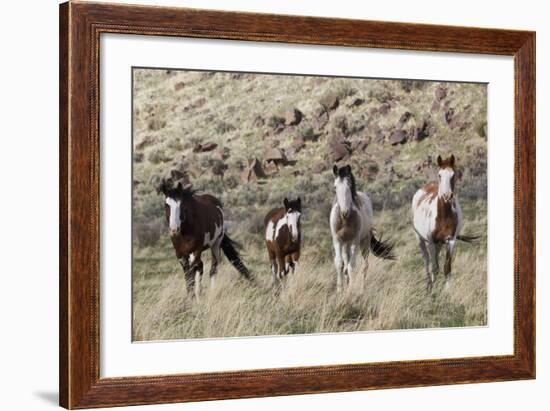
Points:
[(286, 203), (452, 160), (439, 161), (179, 188), (348, 168), (161, 188), (335, 170), (459, 174)]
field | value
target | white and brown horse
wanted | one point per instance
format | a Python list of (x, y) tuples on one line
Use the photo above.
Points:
[(437, 219), (196, 224), (351, 225), (282, 238)]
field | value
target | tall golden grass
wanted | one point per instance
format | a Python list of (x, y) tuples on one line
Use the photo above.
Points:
[(392, 295)]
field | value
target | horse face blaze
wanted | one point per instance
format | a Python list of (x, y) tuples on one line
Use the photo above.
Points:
[(173, 213), (343, 194), (446, 183), (293, 220)]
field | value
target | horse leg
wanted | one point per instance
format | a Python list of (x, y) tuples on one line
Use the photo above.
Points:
[(448, 260), (289, 264), (281, 264), (295, 256), (352, 254), (198, 278), (426, 256), (274, 268), (189, 272), (346, 252), (216, 258), (338, 263), (366, 268), (433, 251)]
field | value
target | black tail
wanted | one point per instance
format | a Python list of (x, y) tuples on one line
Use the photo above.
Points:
[(471, 239), (381, 248), (230, 249)]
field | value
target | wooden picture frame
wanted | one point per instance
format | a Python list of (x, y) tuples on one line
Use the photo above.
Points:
[(80, 27)]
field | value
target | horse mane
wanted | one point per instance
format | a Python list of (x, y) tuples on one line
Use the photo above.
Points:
[(346, 172)]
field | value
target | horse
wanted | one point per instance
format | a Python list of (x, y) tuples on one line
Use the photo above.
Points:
[(351, 226), (196, 223), (282, 238), (438, 221)]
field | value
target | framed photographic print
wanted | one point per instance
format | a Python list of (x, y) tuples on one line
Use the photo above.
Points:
[(259, 205)]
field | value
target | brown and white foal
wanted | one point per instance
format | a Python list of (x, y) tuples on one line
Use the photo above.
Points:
[(282, 237), (437, 219), (196, 224)]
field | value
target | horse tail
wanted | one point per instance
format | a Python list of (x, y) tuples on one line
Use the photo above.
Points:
[(380, 248), (470, 239), (230, 249)]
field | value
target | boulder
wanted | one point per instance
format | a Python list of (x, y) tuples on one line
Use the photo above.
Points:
[(398, 137), (403, 119), (384, 109), (330, 101), (203, 148), (292, 117), (356, 102), (179, 86), (277, 156), (440, 93), (339, 150), (253, 171)]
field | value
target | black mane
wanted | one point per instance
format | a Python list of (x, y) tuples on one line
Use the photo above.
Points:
[(345, 172)]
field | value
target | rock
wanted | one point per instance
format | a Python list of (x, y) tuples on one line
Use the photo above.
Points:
[(292, 117), (276, 156), (203, 148), (219, 168), (253, 171), (422, 130), (403, 119), (330, 101), (384, 109), (440, 93), (147, 141), (156, 124), (359, 145), (223, 153), (448, 115), (398, 137), (298, 144), (200, 102), (321, 119), (179, 86), (356, 102), (319, 167), (258, 121), (339, 150)]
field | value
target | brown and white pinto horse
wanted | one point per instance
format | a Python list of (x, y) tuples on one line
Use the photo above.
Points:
[(437, 219), (351, 225), (282, 237), (196, 224)]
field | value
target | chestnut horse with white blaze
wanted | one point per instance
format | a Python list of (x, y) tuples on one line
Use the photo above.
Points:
[(351, 225), (282, 237), (196, 224), (438, 221)]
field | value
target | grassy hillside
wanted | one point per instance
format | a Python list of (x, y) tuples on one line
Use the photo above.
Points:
[(208, 128)]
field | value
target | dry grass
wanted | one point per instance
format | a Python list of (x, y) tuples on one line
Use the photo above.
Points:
[(393, 296)]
